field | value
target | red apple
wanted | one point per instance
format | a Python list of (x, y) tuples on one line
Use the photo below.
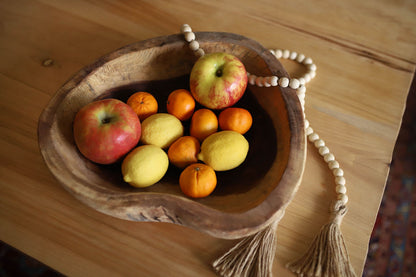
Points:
[(218, 80), (106, 130)]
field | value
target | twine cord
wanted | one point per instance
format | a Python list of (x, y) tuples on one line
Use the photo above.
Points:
[(327, 255), (252, 256)]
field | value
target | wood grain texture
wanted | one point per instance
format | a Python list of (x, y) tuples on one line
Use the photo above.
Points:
[(366, 56)]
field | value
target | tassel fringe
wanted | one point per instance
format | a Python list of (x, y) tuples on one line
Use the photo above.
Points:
[(252, 257), (327, 256)]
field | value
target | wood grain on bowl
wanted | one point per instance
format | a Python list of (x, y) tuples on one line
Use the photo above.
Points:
[(246, 198)]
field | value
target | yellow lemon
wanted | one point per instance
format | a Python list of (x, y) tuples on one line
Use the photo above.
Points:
[(144, 166), (161, 129), (224, 150)]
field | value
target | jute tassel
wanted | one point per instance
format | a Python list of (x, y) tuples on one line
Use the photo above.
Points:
[(327, 256), (252, 257)]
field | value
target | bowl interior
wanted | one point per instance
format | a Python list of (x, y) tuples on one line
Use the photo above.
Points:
[(241, 182)]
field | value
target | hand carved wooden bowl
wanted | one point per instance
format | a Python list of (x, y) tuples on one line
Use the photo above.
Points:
[(245, 200)]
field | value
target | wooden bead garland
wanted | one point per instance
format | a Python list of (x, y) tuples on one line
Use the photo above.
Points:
[(335, 259), (299, 85), (186, 30)]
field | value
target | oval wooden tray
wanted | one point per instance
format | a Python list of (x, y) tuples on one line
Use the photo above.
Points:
[(246, 199)]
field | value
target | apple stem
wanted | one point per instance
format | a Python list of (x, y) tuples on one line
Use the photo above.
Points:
[(106, 120), (218, 73)]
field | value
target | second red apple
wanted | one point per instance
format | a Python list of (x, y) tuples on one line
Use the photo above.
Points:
[(218, 80), (106, 130)]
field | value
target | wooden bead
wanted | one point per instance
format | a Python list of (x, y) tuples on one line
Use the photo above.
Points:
[(200, 52), (301, 97), (259, 81), (306, 123), (194, 45), (312, 67), (300, 58), (312, 137), (294, 83), (319, 143), (338, 172), (333, 164), (274, 80), (278, 53), (252, 79), (293, 55), (286, 54), (302, 103), (301, 90), (189, 36), (340, 180), (341, 189), (323, 150), (329, 157), (186, 28), (283, 82), (307, 61), (266, 81), (343, 198)]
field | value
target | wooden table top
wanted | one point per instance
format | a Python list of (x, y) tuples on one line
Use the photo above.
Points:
[(365, 52)]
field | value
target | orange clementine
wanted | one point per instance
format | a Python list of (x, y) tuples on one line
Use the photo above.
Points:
[(198, 180), (235, 119), (183, 151), (204, 122), (143, 103), (181, 104)]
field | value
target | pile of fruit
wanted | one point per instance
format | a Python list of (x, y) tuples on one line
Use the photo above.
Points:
[(147, 141)]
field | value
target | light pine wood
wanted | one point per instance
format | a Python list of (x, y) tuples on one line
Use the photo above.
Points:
[(365, 53)]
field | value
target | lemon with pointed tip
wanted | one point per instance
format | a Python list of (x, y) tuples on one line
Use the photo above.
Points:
[(145, 166), (161, 129), (224, 150)]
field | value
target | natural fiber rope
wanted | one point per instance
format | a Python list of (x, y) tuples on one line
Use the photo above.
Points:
[(327, 255), (252, 256)]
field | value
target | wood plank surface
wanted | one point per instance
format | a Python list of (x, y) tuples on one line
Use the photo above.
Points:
[(365, 52)]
